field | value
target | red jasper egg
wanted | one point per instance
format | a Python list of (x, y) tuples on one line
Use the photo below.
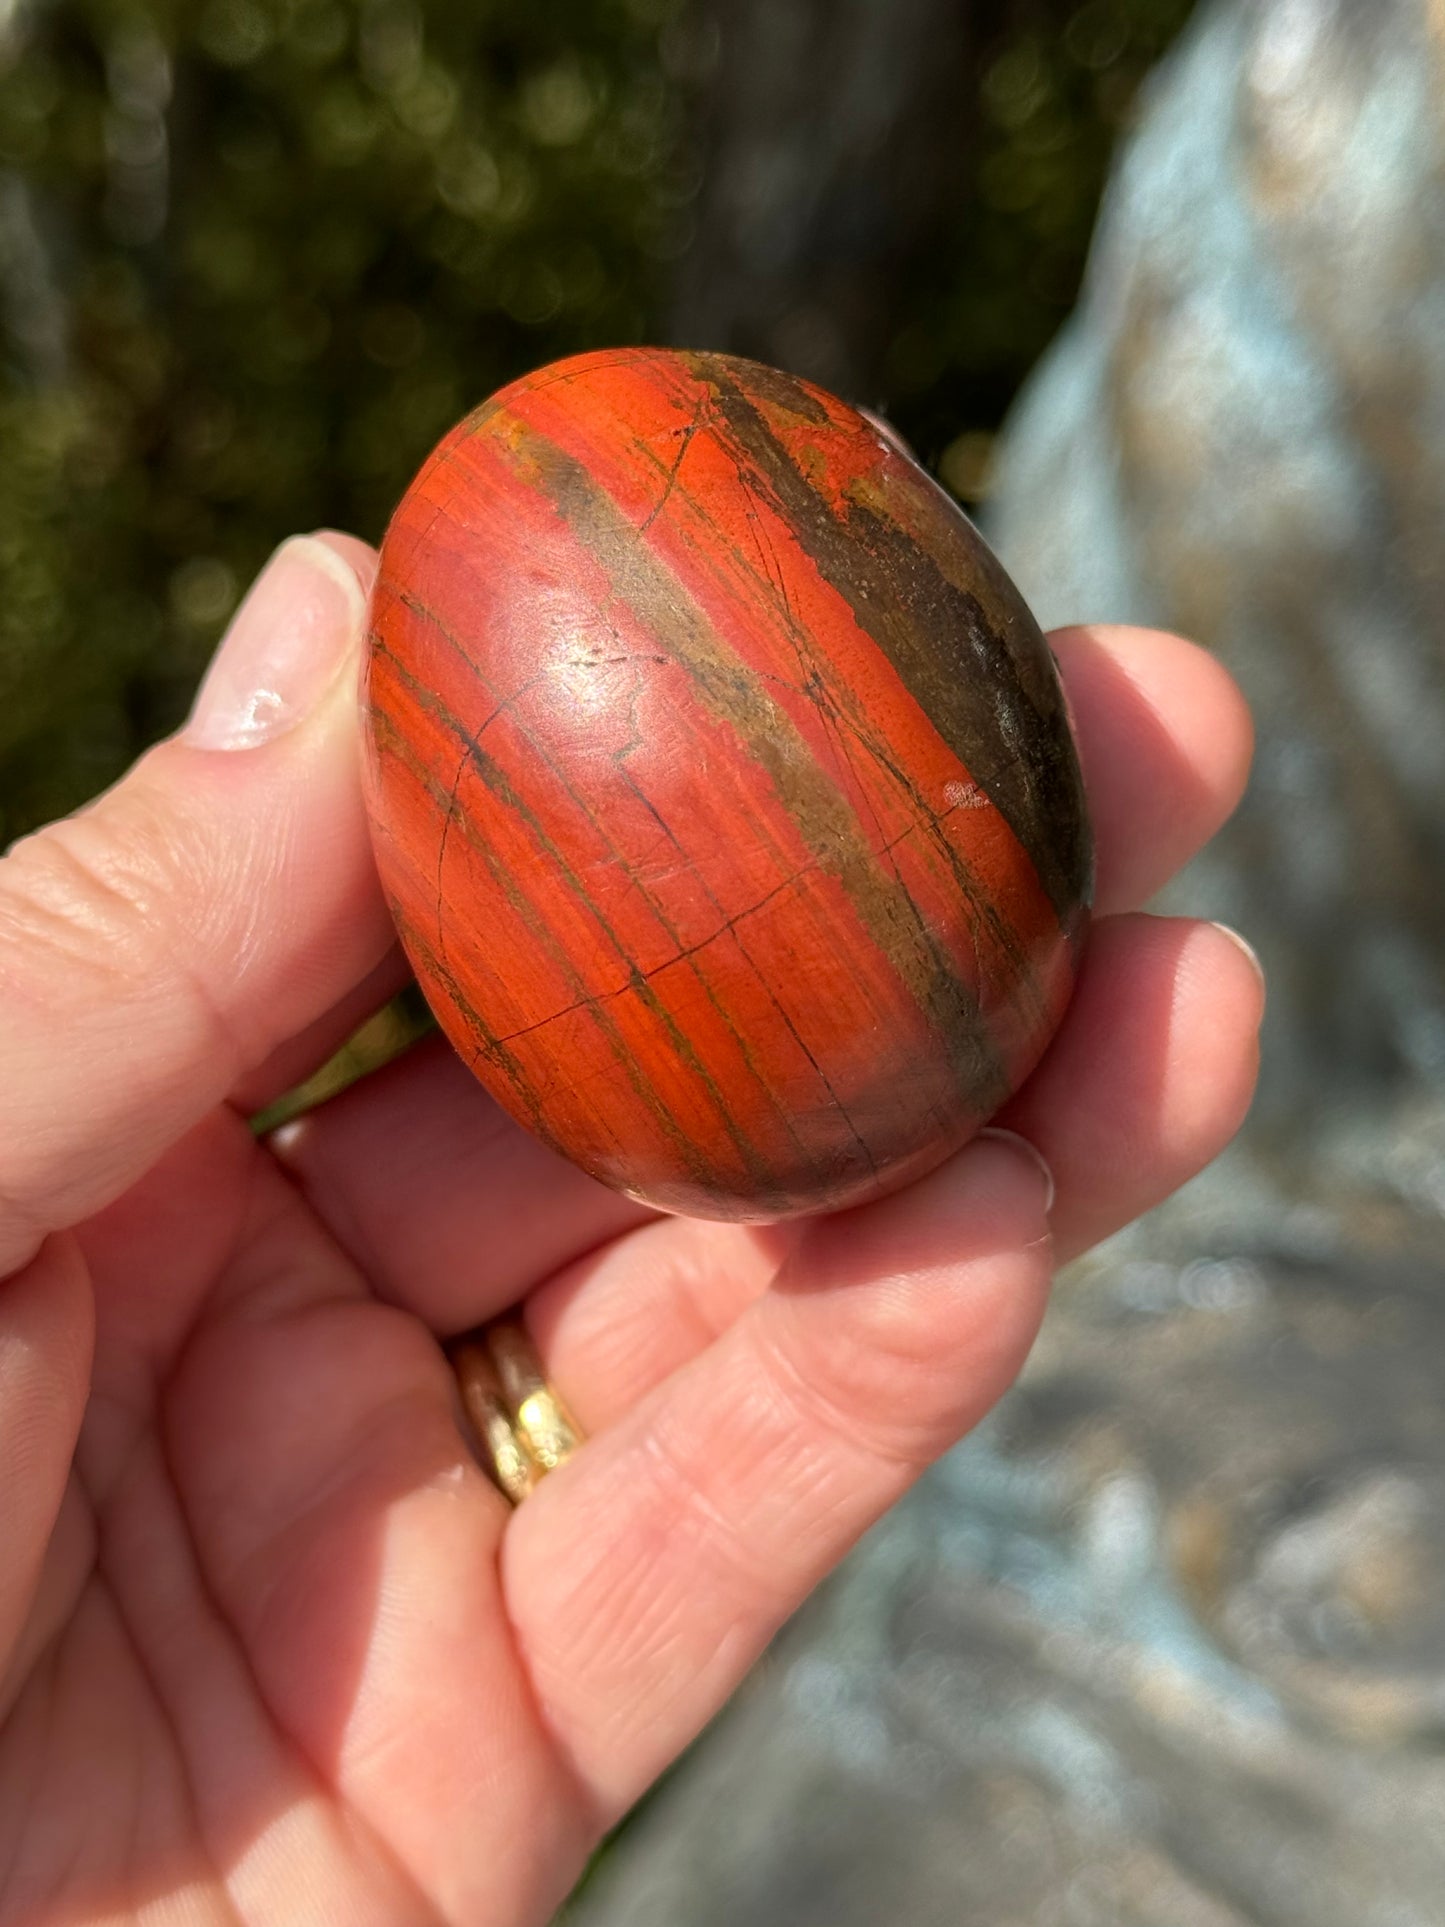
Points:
[(721, 785)]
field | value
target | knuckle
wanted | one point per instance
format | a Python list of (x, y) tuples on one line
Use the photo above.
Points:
[(915, 1359), (91, 917), (81, 898), (66, 897), (691, 1511), (878, 1405)]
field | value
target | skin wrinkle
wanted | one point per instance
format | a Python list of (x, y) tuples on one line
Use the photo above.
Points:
[(104, 1601), (689, 1502), (595, 1814), (806, 1396), (239, 1579), (680, 1509), (220, 1623), (307, 1768), (810, 1396), (35, 1644), (162, 961), (138, 1787), (220, 1310), (43, 1680), (581, 1793), (146, 916), (14, 1210)]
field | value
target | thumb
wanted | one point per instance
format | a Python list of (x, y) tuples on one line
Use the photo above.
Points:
[(218, 899)]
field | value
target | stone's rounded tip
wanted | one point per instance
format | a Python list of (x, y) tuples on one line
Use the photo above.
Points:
[(722, 784)]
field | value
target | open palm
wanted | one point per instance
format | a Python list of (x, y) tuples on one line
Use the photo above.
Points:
[(272, 1648)]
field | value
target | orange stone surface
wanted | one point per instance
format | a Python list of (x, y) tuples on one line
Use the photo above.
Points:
[(721, 785)]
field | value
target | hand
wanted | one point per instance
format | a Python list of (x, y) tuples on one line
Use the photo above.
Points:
[(272, 1648)]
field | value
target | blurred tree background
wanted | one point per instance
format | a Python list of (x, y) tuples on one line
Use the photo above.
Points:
[(256, 255)]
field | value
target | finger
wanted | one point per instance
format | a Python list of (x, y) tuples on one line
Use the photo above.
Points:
[(618, 1320), (464, 1210), (1146, 1083), (1151, 1075), (645, 1576), (1165, 740), (46, 1331), (351, 1544), (219, 899), (299, 1057)]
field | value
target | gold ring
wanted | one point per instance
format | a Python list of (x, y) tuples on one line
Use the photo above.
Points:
[(523, 1428)]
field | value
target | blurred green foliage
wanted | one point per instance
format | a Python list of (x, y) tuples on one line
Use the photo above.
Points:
[(1052, 102), (255, 255)]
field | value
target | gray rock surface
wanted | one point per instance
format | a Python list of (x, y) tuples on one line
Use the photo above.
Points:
[(1164, 1644), (1161, 1646), (1242, 435)]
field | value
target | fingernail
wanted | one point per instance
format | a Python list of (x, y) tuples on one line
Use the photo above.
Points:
[(1243, 943), (1032, 1153), (282, 650)]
